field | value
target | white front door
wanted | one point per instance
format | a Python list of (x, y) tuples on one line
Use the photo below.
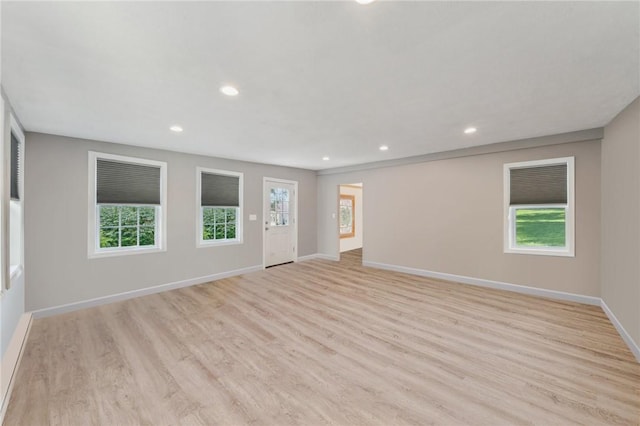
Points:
[(280, 222)]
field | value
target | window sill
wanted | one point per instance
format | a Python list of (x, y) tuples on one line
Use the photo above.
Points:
[(218, 243), (540, 252), (124, 252)]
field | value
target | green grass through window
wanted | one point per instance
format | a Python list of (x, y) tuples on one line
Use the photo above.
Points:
[(540, 227)]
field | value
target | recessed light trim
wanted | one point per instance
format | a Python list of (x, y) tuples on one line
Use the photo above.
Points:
[(229, 90), (325, 158), (470, 130), (383, 148), (176, 128), (364, 1)]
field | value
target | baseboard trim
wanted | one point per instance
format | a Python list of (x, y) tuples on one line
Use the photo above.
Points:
[(635, 349), (307, 257), (11, 359), (70, 307), (533, 291), (318, 256), (327, 257)]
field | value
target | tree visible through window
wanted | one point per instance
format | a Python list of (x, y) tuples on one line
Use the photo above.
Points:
[(219, 223), (127, 226)]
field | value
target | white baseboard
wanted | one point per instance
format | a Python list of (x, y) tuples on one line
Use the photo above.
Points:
[(11, 359), (307, 257), (318, 256), (327, 257), (533, 291), (635, 349), (56, 310)]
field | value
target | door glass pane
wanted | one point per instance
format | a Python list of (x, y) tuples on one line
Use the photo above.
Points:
[(279, 207)]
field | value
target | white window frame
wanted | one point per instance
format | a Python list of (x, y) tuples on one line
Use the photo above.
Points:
[(509, 211), (3, 286), (93, 248), (200, 242), (15, 269)]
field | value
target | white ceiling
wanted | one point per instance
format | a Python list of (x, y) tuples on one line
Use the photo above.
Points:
[(318, 79)]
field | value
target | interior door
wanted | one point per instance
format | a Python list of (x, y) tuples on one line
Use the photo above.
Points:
[(279, 222)]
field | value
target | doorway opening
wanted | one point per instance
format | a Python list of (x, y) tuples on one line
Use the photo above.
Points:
[(350, 215)]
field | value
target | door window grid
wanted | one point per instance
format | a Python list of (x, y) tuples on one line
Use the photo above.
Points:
[(279, 207)]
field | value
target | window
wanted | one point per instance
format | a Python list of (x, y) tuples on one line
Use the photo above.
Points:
[(539, 207), (347, 216), (127, 226), (219, 197), (127, 205), (16, 203)]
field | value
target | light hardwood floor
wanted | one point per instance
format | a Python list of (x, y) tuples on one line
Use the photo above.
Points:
[(323, 342)]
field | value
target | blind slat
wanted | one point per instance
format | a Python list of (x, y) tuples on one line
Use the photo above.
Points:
[(539, 185), (127, 183), (15, 168), (219, 190)]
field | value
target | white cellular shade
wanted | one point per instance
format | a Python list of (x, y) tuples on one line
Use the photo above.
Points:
[(539, 185), (219, 190), (127, 183)]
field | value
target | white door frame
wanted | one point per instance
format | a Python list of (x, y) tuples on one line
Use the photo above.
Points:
[(264, 217)]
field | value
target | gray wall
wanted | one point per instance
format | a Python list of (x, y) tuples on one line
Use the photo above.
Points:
[(447, 216), (56, 207), (621, 218)]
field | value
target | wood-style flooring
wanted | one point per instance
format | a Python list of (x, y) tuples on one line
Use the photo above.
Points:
[(321, 342)]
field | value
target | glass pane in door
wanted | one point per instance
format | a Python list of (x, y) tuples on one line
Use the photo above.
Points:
[(279, 207)]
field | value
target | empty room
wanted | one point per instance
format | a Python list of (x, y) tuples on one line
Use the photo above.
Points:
[(357, 212)]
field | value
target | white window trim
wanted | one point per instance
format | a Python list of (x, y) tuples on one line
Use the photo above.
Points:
[(93, 251), (3, 286), (16, 269), (200, 242), (509, 217)]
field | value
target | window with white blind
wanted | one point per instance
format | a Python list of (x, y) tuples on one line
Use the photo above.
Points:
[(16, 198), (127, 205), (219, 207), (539, 207)]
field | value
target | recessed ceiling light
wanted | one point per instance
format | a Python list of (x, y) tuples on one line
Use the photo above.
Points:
[(325, 158), (383, 148), (176, 129), (365, 1), (229, 90), (470, 130)]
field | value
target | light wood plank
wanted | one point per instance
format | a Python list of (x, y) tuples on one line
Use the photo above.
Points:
[(324, 342)]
